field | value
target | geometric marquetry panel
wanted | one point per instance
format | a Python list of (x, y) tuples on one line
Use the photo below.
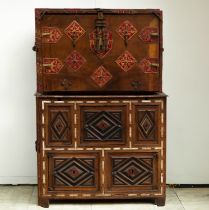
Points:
[(74, 172), (146, 124), (59, 125), (102, 125), (147, 119), (132, 171)]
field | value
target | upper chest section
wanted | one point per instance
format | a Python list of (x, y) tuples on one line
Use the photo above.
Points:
[(99, 50)]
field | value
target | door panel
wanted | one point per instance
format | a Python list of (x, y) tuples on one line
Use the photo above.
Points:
[(59, 125), (147, 124), (73, 171), (132, 171), (103, 125)]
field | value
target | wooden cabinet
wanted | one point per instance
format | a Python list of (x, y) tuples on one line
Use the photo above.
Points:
[(101, 113), (101, 147)]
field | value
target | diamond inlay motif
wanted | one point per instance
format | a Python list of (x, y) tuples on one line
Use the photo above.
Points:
[(75, 60), (74, 30), (102, 126), (101, 76), (126, 61), (52, 65), (126, 30), (59, 125), (75, 172), (146, 125), (132, 171)]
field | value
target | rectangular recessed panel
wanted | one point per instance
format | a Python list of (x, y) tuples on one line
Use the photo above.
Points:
[(147, 124), (132, 171), (101, 125), (59, 125), (73, 171)]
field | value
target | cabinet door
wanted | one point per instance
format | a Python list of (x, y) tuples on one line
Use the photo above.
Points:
[(103, 125), (132, 172), (147, 124), (59, 126), (73, 171)]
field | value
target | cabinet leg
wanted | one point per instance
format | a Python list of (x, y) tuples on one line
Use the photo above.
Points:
[(43, 202), (160, 201)]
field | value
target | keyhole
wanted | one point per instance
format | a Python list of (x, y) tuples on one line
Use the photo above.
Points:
[(131, 171)]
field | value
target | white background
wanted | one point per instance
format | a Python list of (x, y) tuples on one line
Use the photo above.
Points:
[(185, 80)]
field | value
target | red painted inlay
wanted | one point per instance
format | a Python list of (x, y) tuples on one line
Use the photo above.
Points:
[(75, 60), (146, 34), (52, 65), (107, 37), (51, 35), (147, 66), (74, 30), (101, 76), (126, 61), (126, 29)]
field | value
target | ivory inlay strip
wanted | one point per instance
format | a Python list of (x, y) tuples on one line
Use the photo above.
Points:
[(130, 132), (44, 179), (146, 101), (42, 119), (43, 136), (162, 118), (44, 102), (127, 148), (75, 119), (116, 148), (101, 102), (59, 102), (75, 133), (90, 102), (132, 194), (114, 102)]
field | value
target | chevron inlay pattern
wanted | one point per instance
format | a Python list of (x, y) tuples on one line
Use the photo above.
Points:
[(74, 172), (102, 125), (132, 171)]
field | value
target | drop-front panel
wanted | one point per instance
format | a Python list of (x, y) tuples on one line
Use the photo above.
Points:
[(97, 50)]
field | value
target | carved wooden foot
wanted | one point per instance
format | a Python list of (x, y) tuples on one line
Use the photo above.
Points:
[(160, 201), (43, 202)]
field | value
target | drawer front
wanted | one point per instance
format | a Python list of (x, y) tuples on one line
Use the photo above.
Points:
[(132, 171), (110, 50), (73, 171)]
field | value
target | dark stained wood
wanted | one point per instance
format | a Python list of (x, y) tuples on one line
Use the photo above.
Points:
[(160, 201)]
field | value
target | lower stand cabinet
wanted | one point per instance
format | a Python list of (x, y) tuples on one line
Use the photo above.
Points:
[(101, 147)]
